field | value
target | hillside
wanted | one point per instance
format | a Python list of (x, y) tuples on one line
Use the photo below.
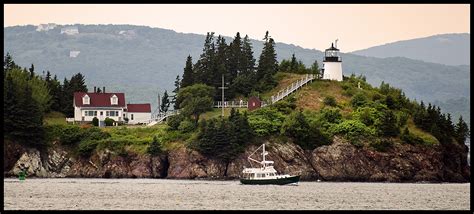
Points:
[(143, 61), (448, 49), (365, 134)]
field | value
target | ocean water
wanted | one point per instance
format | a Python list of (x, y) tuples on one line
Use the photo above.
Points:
[(167, 194)]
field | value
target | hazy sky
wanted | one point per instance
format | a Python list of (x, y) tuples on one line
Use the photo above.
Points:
[(307, 25)]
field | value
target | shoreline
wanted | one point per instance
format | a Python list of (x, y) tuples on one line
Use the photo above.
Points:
[(236, 180)]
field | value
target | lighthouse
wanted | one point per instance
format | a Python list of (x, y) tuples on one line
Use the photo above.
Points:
[(332, 64)]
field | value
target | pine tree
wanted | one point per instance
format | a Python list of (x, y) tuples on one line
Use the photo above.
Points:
[(48, 77), (177, 84), (188, 77), (267, 65), (165, 102), (32, 132), (32, 71), (293, 64), (248, 64), (461, 131), (315, 68), (235, 57), (10, 106), (204, 67), (76, 84)]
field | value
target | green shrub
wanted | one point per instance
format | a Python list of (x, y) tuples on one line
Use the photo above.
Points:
[(352, 129), (95, 121), (330, 115), (358, 100), (154, 148), (71, 134), (266, 121), (366, 115), (86, 147), (95, 133), (174, 121), (286, 105), (330, 101), (186, 126), (109, 121)]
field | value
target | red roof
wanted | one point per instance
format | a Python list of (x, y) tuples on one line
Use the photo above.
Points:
[(99, 99), (139, 107)]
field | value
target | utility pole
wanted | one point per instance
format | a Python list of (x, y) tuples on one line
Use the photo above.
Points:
[(223, 95)]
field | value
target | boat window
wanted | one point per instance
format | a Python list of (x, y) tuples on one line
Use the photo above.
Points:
[(263, 175)]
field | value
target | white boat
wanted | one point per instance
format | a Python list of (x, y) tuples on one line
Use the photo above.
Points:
[(265, 174)]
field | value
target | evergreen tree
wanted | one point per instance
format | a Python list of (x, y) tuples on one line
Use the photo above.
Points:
[(204, 67), (154, 148), (236, 57), (267, 65), (248, 64), (165, 102), (315, 68), (10, 106), (32, 71), (76, 84), (32, 132), (177, 84), (294, 64), (387, 125), (54, 87), (8, 63), (48, 77), (188, 76), (461, 131)]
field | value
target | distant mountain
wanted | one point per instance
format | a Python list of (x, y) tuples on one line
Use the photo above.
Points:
[(143, 61), (448, 49)]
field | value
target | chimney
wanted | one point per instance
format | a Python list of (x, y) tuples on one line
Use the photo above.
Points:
[(103, 89), (95, 89)]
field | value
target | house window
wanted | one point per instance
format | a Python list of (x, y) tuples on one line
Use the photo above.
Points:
[(90, 113), (107, 113), (116, 113), (114, 100), (101, 113), (86, 100), (131, 116)]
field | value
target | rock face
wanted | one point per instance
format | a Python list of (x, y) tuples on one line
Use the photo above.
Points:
[(340, 161), (106, 164), (185, 164)]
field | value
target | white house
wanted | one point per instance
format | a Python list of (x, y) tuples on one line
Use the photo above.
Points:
[(70, 30), (100, 105), (332, 64), (111, 105), (45, 27), (138, 113)]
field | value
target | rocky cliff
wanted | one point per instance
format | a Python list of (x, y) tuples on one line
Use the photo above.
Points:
[(340, 161)]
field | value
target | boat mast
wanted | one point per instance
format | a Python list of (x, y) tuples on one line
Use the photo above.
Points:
[(264, 165)]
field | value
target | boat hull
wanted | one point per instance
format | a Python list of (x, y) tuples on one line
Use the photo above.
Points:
[(279, 181)]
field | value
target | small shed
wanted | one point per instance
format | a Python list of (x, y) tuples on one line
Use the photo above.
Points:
[(254, 103)]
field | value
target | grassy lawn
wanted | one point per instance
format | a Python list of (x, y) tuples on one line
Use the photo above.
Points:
[(54, 118), (217, 112), (427, 137)]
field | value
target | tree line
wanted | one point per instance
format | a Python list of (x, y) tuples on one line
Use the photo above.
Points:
[(28, 96), (236, 63)]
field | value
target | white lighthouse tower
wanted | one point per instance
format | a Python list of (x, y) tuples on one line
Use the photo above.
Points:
[(332, 64)]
